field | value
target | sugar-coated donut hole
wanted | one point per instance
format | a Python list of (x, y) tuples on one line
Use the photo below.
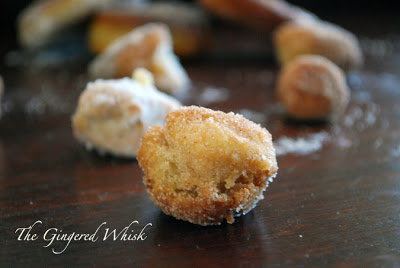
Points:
[(205, 166), (313, 88)]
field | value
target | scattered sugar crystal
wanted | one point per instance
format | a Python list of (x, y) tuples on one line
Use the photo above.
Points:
[(343, 142), (362, 96), (301, 145), (210, 119), (353, 115), (35, 106), (47, 101), (104, 99), (354, 80), (396, 151), (362, 116), (378, 142), (383, 46)]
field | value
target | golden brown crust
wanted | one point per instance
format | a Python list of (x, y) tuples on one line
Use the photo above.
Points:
[(141, 52), (312, 87), (188, 26), (205, 166), (320, 38), (148, 46)]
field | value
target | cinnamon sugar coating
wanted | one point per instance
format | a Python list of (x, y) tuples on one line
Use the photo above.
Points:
[(148, 46), (313, 87), (205, 166), (320, 38)]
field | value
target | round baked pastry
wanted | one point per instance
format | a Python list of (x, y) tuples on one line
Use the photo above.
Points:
[(188, 24), (262, 15), (317, 37), (313, 87), (205, 166), (148, 46), (42, 20), (113, 115)]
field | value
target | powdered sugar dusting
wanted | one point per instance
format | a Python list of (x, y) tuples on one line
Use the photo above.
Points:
[(154, 104), (301, 145), (103, 99)]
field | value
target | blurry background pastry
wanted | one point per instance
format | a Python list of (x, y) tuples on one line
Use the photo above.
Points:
[(188, 25), (113, 115), (43, 20), (313, 87), (205, 166), (262, 15), (317, 37), (148, 46)]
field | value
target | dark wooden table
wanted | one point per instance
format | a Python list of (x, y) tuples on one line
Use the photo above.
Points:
[(335, 201)]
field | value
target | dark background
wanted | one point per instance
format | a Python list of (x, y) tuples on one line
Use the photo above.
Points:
[(10, 9)]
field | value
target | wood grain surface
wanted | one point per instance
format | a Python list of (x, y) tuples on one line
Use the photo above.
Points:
[(335, 201)]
